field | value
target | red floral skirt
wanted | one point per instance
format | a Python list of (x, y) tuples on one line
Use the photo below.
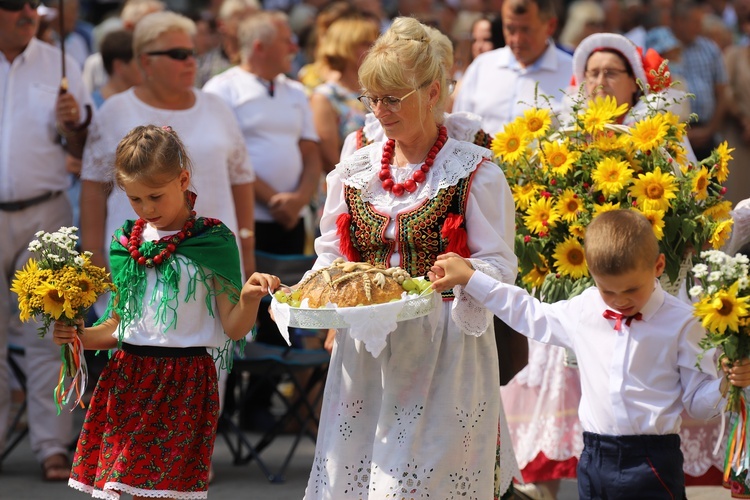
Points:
[(150, 428)]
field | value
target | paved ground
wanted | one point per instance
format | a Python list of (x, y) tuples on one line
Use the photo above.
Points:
[(20, 478)]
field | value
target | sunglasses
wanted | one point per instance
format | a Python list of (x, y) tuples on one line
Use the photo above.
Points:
[(176, 54), (16, 5)]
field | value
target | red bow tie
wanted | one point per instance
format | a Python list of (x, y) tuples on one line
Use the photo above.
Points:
[(618, 317)]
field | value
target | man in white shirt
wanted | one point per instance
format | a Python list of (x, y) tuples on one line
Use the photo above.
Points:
[(501, 84), (33, 180), (276, 122)]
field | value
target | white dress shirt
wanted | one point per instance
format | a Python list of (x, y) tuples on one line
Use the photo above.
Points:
[(633, 381), (497, 88), (271, 125), (32, 162)]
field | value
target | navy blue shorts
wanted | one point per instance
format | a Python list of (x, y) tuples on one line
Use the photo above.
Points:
[(641, 467)]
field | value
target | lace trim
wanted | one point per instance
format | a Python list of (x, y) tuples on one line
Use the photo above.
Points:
[(454, 162), (112, 491), (463, 125), (469, 315)]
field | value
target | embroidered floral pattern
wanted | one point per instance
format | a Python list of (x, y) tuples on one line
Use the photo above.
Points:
[(412, 482), (469, 420), (358, 478), (349, 412), (464, 483), (406, 419), (320, 473)]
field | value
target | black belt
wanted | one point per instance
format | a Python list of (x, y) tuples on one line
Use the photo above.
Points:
[(15, 206), (164, 352)]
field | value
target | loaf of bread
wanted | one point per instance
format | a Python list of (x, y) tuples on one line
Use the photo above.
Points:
[(349, 284)]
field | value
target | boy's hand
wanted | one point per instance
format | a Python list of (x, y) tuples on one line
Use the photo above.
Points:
[(65, 334), (739, 373), (450, 270), (259, 284)]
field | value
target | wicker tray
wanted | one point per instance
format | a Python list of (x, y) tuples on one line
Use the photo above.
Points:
[(310, 318)]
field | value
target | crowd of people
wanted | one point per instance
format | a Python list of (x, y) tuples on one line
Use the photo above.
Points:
[(358, 130)]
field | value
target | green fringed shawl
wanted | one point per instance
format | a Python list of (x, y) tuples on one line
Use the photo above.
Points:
[(214, 264)]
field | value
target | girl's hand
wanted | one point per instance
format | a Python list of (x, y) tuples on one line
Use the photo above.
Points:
[(65, 334), (259, 284), (737, 374)]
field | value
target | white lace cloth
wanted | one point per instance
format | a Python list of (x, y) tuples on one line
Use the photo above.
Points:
[(370, 325), (112, 491)]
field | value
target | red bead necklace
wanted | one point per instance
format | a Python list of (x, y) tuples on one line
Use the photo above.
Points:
[(172, 241), (420, 175)]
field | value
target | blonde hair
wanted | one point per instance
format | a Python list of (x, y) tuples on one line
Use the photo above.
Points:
[(154, 25), (231, 8), (151, 155), (620, 241), (339, 45), (406, 56)]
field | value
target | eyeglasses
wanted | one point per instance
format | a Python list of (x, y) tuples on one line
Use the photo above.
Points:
[(176, 54), (392, 104), (607, 73), (451, 86), (16, 5)]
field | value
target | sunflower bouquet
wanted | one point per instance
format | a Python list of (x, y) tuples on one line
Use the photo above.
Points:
[(60, 285), (562, 178), (722, 294)]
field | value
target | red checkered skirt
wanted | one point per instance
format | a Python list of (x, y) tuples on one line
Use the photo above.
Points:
[(150, 428)]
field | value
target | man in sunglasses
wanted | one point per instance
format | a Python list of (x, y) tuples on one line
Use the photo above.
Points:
[(38, 125)]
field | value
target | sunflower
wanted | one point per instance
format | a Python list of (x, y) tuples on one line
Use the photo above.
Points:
[(87, 287), (523, 194), (541, 216), (656, 218), (720, 211), (558, 157), (722, 310), (673, 122), (611, 176), (569, 206), (700, 184), (605, 207), (653, 190), (721, 169), (578, 230), (535, 277), (53, 301), (721, 233), (536, 121), (570, 259), (510, 144), (600, 112), (649, 133), (608, 141)]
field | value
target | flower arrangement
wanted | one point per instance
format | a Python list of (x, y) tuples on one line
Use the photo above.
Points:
[(561, 179), (722, 292), (60, 285)]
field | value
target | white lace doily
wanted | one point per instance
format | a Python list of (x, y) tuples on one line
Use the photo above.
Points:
[(369, 324)]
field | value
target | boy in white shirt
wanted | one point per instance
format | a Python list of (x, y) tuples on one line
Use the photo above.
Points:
[(637, 348)]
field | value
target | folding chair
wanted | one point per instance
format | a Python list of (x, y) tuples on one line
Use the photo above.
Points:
[(266, 364), (14, 434)]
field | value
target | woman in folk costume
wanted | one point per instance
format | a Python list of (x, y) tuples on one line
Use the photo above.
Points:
[(542, 400), (151, 424), (414, 417)]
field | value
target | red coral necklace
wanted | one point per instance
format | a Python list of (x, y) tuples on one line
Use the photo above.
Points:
[(172, 241), (420, 175)]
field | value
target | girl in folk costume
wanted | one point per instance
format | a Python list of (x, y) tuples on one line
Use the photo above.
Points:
[(151, 424), (414, 417)]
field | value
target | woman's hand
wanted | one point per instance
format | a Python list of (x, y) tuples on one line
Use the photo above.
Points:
[(65, 334), (449, 270)]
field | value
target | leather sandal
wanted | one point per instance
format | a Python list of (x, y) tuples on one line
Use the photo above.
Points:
[(56, 468)]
